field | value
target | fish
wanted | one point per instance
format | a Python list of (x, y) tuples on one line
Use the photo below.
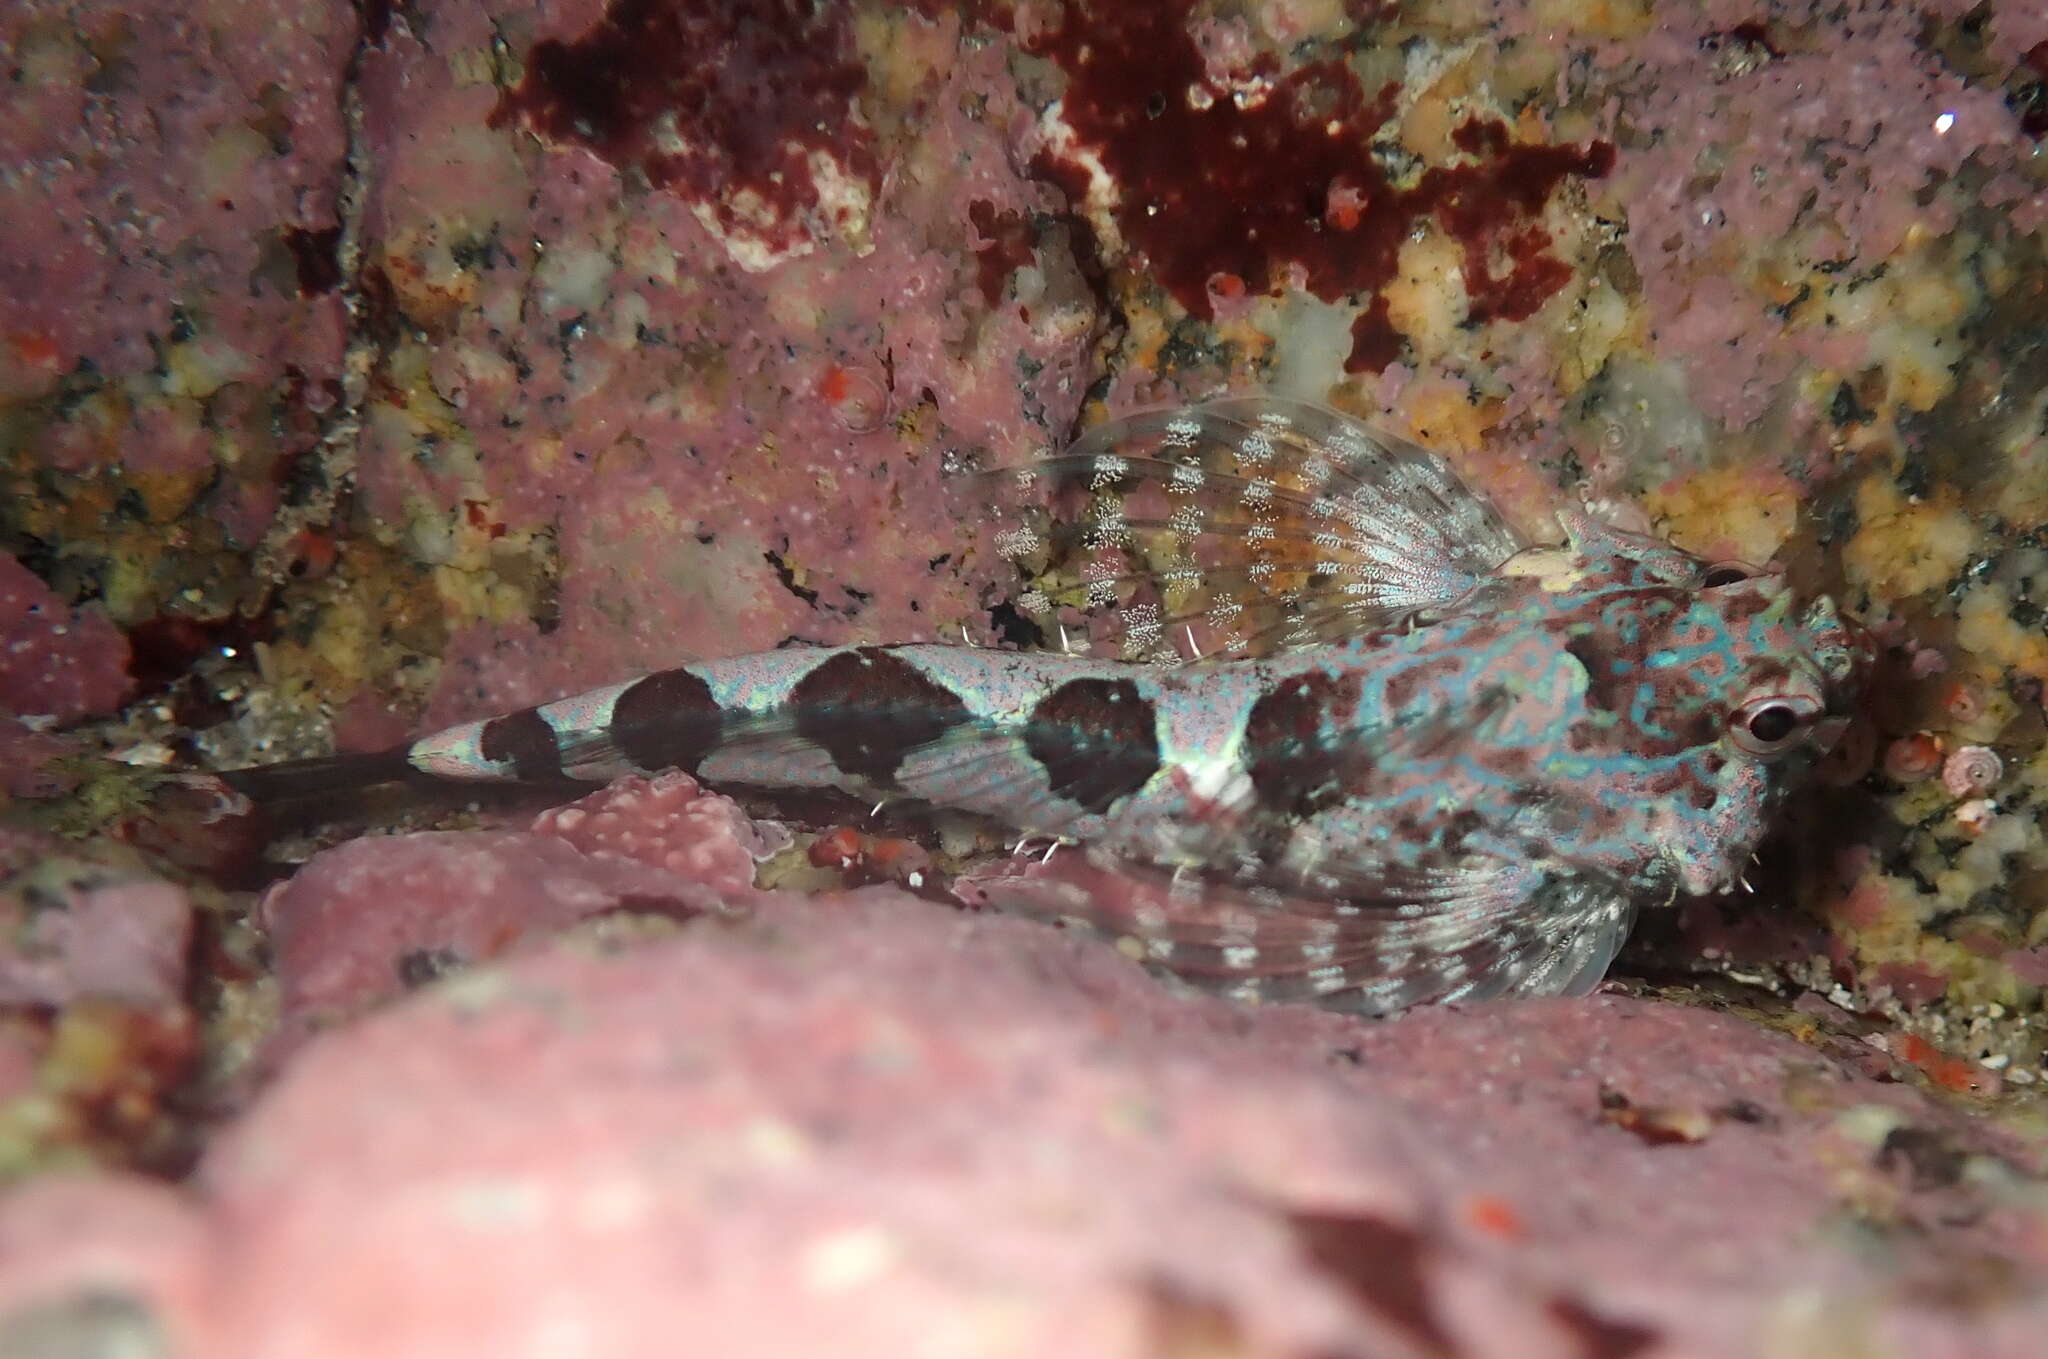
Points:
[(1313, 720)]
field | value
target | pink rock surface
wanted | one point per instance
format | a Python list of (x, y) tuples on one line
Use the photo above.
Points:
[(162, 156), (669, 822), (874, 1126), (1869, 85), (170, 178), (29, 761), (72, 929), (88, 1263), (369, 918), (55, 661)]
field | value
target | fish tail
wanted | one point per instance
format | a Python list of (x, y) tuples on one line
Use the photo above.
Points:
[(326, 776)]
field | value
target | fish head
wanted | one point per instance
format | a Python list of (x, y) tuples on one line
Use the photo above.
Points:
[(1715, 691), (1768, 689)]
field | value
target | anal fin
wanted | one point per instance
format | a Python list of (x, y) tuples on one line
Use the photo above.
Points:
[(1489, 931)]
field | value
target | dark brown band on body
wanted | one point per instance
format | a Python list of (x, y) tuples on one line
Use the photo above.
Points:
[(1097, 740), (524, 741), (1294, 751), (869, 709), (669, 720)]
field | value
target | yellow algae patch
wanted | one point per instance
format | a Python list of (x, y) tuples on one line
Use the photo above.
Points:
[(364, 630), (1426, 128), (1426, 299), (1591, 332), (544, 455), (347, 644), (1291, 21), (1917, 366), (652, 509), (1440, 415), (901, 58), (574, 278), (1148, 334), (1522, 76), (1895, 932), (469, 67), (1739, 512), (200, 367), (1599, 18), (1910, 323), (474, 366), (1905, 548), (1985, 628), (473, 596), (2023, 500), (454, 181), (167, 495), (428, 285), (229, 160), (1252, 340), (1930, 299)]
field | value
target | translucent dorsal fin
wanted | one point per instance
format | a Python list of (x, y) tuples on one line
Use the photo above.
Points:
[(1238, 528)]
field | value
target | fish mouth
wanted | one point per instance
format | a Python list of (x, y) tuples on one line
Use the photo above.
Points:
[(1827, 733), (1694, 877), (1700, 880)]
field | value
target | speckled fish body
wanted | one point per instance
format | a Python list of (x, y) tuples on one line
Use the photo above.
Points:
[(1420, 759)]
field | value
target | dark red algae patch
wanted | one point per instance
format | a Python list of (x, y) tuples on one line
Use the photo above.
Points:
[(1008, 240), (315, 255), (710, 99), (1216, 183), (1375, 342), (2030, 101)]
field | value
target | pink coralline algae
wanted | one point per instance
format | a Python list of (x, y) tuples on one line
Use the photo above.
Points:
[(672, 457), (152, 173), (668, 822), (72, 929), (1816, 135), (33, 764), (2029, 965), (888, 1128), (369, 918), (1972, 771), (55, 661)]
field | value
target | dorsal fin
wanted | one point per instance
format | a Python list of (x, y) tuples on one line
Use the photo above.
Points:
[(1242, 527)]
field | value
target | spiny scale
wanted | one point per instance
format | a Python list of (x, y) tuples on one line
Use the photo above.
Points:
[(1417, 761)]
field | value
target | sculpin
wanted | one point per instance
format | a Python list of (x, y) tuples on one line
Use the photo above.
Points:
[(1326, 728)]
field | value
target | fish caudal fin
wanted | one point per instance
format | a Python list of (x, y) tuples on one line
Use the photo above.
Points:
[(326, 776)]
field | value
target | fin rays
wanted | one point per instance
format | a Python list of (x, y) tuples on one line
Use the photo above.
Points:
[(1234, 519)]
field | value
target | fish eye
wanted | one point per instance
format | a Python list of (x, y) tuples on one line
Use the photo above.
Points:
[(1725, 573), (1771, 725)]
